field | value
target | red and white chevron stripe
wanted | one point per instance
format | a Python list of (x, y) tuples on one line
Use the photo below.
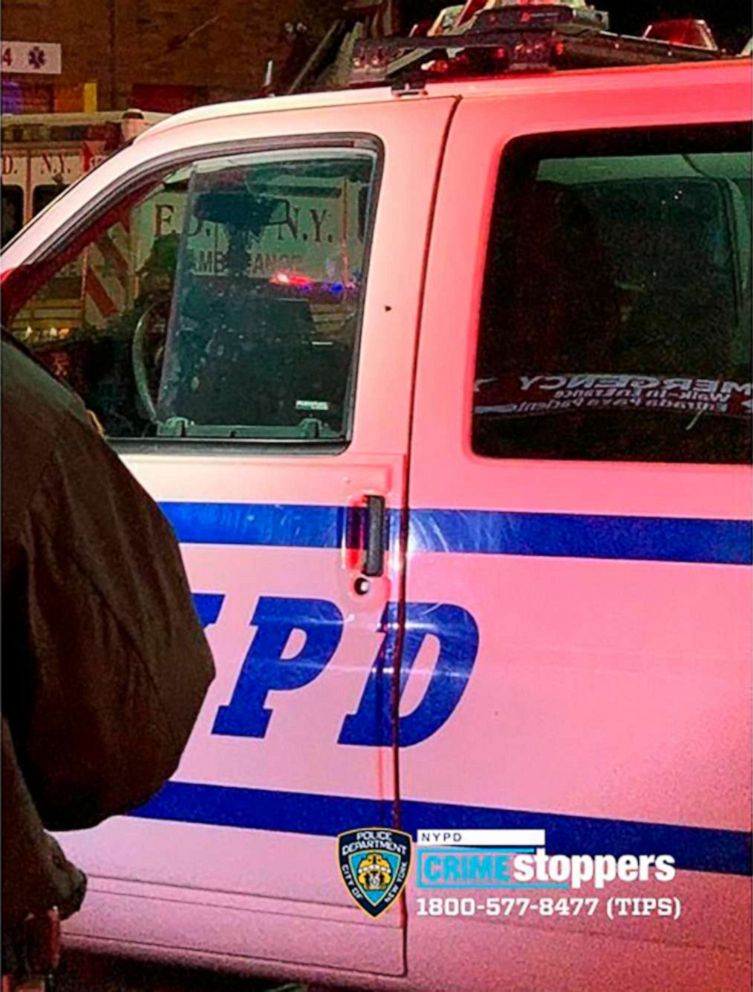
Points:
[(108, 275)]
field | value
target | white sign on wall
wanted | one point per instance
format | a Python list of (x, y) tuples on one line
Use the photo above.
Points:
[(35, 57)]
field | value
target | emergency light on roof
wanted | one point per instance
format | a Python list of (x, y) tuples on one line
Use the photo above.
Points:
[(509, 35)]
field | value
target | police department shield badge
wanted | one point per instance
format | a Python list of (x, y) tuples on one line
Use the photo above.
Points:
[(374, 863)]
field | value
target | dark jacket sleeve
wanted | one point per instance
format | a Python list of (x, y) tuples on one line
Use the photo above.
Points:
[(36, 874), (112, 662)]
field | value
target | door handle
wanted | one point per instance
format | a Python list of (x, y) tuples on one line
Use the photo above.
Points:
[(374, 536)]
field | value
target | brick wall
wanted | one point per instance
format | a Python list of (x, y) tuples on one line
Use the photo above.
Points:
[(165, 43)]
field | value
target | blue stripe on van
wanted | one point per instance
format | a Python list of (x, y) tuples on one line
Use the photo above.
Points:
[(694, 848), (565, 535), (277, 525)]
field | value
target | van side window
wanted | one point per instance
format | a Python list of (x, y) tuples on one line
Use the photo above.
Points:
[(43, 195), (269, 285), (84, 304), (221, 302), (12, 211), (616, 313)]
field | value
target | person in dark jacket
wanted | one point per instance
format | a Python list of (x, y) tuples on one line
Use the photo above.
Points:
[(104, 662)]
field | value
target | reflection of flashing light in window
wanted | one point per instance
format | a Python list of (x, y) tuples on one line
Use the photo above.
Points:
[(306, 284), (291, 279)]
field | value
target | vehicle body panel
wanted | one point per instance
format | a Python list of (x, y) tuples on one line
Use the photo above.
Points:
[(231, 504), (615, 684)]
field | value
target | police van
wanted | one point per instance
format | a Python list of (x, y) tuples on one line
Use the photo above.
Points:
[(444, 382)]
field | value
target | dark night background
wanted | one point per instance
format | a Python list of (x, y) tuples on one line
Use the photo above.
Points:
[(730, 20)]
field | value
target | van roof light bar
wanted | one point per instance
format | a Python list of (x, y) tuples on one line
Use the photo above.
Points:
[(508, 36)]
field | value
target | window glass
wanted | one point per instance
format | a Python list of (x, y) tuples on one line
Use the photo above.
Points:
[(223, 301), (268, 293), (616, 315), (12, 211), (87, 301), (43, 195)]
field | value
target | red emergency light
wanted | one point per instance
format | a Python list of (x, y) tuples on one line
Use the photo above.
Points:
[(685, 31)]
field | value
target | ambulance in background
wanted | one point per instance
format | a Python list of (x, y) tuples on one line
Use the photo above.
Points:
[(44, 153)]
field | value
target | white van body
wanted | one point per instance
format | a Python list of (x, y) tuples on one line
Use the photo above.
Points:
[(557, 639)]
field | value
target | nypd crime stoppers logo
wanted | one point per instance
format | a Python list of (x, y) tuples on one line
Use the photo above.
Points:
[(374, 863)]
